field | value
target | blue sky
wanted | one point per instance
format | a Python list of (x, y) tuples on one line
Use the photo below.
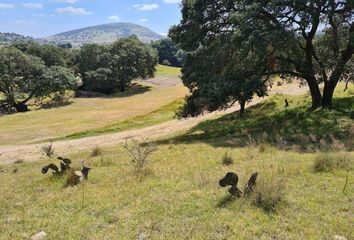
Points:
[(40, 18)]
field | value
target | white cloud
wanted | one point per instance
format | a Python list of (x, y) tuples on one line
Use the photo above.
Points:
[(6, 6), (146, 6), (171, 1), (67, 1), (143, 20), (114, 18), (73, 11), (32, 5)]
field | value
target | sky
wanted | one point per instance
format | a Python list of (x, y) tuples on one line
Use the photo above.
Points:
[(41, 18)]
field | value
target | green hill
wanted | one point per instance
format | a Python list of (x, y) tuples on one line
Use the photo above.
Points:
[(106, 33)]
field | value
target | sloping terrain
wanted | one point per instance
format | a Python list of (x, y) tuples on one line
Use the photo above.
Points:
[(104, 34)]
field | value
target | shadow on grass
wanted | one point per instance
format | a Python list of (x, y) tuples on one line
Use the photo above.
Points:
[(226, 201), (51, 105), (270, 122), (134, 89)]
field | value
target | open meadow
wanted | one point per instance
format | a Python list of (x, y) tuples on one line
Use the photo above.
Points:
[(177, 196)]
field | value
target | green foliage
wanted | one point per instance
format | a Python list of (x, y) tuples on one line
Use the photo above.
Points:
[(330, 161), (169, 53), (50, 54), (107, 68), (24, 77), (234, 54)]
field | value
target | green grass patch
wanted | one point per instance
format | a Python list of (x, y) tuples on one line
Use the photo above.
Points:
[(162, 70), (164, 114)]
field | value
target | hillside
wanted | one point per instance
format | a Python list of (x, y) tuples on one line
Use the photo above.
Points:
[(6, 38), (106, 33)]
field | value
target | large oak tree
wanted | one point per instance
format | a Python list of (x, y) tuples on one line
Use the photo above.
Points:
[(309, 40)]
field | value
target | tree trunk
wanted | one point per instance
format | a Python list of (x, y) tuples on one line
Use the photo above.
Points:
[(328, 92), (315, 93), (242, 107), (21, 107), (122, 88)]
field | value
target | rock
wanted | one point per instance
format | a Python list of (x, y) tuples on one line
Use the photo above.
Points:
[(142, 236), (39, 236), (337, 237)]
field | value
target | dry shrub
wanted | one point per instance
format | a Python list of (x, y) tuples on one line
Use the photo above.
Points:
[(97, 151), (227, 159), (139, 153), (270, 189), (48, 150), (329, 162)]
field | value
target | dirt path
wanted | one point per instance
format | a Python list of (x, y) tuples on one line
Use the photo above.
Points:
[(31, 152)]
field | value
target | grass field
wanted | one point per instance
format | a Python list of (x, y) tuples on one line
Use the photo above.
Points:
[(162, 70), (178, 196), (82, 115)]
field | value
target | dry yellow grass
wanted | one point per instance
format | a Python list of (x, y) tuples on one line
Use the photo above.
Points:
[(83, 114)]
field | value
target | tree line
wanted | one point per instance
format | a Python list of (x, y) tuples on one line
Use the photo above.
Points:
[(31, 71)]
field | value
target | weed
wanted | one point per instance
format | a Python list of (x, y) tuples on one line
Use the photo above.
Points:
[(227, 159), (48, 150), (97, 151), (270, 190), (139, 153), (329, 162)]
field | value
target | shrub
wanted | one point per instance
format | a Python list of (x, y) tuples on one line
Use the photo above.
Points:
[(48, 150), (97, 151), (227, 159), (269, 191), (139, 153), (329, 162)]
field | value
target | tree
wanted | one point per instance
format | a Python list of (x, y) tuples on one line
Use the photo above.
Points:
[(131, 59), (284, 36), (107, 68), (169, 52), (50, 54), (218, 79), (24, 77)]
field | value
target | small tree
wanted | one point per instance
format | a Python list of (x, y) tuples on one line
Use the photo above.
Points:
[(24, 77)]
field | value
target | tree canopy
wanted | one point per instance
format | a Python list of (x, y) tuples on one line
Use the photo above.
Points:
[(24, 77), (107, 68), (248, 42), (169, 52)]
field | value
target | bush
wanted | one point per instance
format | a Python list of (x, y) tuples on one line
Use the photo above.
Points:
[(329, 162), (269, 191), (227, 159), (97, 151), (139, 153)]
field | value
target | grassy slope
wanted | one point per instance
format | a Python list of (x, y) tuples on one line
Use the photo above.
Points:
[(180, 197), (269, 120), (85, 114), (162, 70)]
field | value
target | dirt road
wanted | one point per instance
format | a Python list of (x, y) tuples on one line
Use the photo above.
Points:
[(31, 152)]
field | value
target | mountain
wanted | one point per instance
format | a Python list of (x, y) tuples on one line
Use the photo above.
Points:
[(7, 38), (103, 34)]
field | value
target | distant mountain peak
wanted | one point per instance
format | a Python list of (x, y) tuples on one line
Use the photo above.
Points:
[(104, 34)]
